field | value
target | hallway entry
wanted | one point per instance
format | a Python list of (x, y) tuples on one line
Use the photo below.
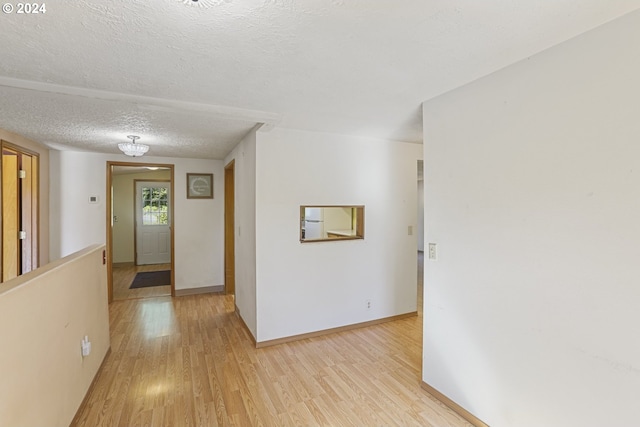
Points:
[(140, 227)]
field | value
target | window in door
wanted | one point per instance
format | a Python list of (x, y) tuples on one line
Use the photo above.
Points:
[(154, 204)]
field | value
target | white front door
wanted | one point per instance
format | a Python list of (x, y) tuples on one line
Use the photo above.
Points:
[(153, 216)]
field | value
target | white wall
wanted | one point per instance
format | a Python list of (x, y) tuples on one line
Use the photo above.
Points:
[(75, 223), (199, 223), (306, 287), (244, 155), (533, 196)]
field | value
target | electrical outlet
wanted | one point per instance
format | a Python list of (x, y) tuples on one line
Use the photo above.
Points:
[(432, 251), (86, 346), (368, 302)]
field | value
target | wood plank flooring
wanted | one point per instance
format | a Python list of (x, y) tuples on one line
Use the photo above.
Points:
[(189, 361), (123, 275)]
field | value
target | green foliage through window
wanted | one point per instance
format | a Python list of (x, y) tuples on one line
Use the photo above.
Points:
[(154, 206)]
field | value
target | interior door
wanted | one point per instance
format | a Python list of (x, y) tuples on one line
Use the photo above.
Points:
[(229, 229), (153, 219)]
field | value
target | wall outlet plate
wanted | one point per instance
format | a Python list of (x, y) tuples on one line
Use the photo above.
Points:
[(432, 251)]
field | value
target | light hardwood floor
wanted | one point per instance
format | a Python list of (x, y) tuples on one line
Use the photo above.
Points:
[(123, 275), (189, 361)]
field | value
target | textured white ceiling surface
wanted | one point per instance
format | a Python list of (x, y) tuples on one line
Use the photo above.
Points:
[(193, 78)]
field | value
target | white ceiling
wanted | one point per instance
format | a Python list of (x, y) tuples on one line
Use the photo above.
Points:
[(193, 78)]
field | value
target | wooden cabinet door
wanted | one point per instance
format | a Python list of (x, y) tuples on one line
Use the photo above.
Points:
[(19, 212)]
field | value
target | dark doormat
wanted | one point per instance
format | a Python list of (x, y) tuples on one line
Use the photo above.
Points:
[(148, 279)]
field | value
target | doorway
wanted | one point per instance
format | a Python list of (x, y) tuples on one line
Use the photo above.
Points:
[(152, 216), (140, 230), (229, 229)]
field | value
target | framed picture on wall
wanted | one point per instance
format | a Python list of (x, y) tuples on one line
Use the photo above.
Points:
[(199, 186)]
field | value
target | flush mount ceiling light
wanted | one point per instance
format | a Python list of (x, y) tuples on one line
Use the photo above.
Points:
[(131, 148), (204, 3)]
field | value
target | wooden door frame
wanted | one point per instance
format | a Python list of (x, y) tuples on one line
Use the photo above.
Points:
[(109, 222), (229, 229)]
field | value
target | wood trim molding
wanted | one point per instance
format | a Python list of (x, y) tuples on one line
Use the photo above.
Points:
[(475, 421), (17, 147), (292, 338), (197, 291)]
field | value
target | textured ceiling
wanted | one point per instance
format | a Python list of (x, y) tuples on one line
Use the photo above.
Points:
[(87, 123), (192, 78)]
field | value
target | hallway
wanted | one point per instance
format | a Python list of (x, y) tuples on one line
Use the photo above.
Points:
[(189, 361)]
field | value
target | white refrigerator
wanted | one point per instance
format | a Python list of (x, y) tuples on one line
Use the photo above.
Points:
[(314, 223)]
